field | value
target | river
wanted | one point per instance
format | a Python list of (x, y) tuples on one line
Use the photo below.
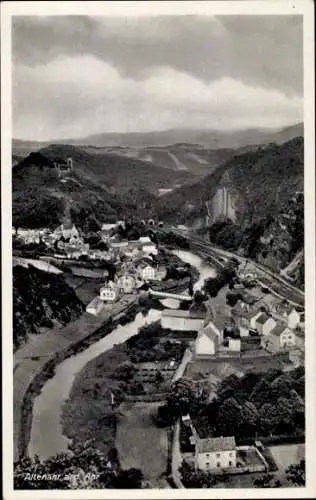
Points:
[(204, 269), (46, 437)]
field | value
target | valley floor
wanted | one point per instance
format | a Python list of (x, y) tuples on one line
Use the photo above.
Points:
[(140, 443)]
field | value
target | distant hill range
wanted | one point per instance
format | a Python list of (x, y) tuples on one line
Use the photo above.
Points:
[(180, 183), (212, 139)]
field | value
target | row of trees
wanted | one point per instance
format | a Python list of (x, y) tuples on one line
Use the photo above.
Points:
[(82, 468), (255, 405), (192, 478)]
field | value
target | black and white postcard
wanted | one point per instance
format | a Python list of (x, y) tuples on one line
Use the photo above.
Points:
[(158, 215)]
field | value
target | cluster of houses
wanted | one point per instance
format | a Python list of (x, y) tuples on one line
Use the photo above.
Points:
[(274, 328), (70, 242), (129, 278), (66, 232), (136, 266)]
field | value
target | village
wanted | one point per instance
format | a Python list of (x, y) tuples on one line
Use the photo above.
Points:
[(244, 328)]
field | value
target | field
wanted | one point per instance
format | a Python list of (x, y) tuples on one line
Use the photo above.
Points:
[(87, 291), (287, 454), (140, 443)]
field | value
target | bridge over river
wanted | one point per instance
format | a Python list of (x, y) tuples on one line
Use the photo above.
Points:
[(168, 295)]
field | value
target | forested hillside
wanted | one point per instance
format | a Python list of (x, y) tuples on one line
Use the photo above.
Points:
[(40, 299)]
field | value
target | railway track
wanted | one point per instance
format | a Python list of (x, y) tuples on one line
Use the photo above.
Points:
[(266, 277)]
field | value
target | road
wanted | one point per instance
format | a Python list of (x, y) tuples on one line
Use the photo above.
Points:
[(266, 277), (176, 457)]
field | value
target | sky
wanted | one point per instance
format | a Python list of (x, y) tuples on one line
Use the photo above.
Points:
[(73, 76)]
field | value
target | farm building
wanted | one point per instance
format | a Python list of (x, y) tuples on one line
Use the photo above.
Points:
[(215, 453), (182, 320)]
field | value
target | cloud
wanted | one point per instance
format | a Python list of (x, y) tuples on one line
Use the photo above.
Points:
[(74, 96), (259, 50)]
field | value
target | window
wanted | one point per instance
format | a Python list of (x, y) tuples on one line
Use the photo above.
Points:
[(218, 455), (207, 464), (230, 463), (218, 464), (207, 454)]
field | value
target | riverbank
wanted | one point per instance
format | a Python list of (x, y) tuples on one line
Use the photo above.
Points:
[(35, 362), (136, 372), (33, 367)]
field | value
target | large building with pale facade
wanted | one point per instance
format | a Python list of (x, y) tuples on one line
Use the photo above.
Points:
[(215, 453)]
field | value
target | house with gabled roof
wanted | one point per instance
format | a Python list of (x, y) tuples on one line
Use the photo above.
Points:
[(207, 342), (215, 453), (264, 323), (293, 318), (109, 292), (243, 315), (280, 338)]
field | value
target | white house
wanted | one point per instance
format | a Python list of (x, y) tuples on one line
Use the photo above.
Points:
[(109, 292), (207, 341), (293, 319), (28, 235), (215, 453), (145, 240), (67, 230), (182, 320), (147, 272), (95, 306), (265, 324), (280, 338), (126, 283), (147, 245)]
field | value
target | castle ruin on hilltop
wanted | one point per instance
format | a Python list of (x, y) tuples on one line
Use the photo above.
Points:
[(64, 167)]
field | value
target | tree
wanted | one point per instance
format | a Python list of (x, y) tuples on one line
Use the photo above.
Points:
[(192, 478), (284, 410), (128, 479), (125, 371), (249, 419), (261, 393), (229, 417), (295, 473), (158, 378), (182, 397), (263, 481), (212, 286), (82, 467), (268, 418)]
